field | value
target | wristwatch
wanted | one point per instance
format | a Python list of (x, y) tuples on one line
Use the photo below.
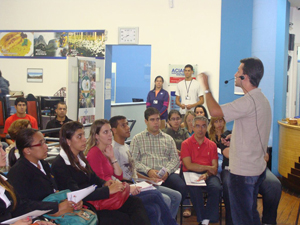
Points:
[(207, 91)]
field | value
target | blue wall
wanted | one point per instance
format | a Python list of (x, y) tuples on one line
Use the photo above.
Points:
[(133, 71), (258, 29), (236, 41)]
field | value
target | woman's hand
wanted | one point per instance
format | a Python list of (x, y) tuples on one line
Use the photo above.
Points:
[(116, 187), (77, 206), (135, 190), (109, 152), (26, 221), (109, 182), (63, 207)]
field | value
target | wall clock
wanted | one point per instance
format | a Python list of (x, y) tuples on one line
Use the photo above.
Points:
[(128, 35)]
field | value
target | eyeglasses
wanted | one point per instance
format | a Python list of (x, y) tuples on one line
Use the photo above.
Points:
[(175, 119), (41, 143)]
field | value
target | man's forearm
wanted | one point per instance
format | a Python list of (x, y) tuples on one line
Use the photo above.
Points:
[(198, 168), (213, 107)]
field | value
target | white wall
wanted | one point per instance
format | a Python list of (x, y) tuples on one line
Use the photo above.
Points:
[(291, 95), (187, 33)]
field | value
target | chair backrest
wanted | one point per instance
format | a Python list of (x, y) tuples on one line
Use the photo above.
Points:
[(33, 109), (2, 112)]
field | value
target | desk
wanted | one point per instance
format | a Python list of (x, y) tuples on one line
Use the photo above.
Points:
[(289, 151)]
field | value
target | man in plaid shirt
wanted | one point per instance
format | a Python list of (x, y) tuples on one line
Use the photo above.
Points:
[(153, 150)]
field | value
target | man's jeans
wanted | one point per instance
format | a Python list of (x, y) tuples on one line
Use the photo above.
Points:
[(243, 192)]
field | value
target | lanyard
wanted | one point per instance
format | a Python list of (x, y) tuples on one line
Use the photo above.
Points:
[(188, 89)]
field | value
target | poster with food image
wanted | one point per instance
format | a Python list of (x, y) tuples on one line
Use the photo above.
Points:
[(50, 44), (16, 44), (86, 89), (89, 44)]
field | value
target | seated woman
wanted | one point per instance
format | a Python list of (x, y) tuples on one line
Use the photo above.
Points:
[(216, 128), (12, 206), (100, 155), (175, 131), (200, 110), (72, 171), (31, 176), (188, 122), (13, 130)]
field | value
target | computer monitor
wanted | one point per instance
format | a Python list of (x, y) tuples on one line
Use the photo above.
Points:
[(49, 103)]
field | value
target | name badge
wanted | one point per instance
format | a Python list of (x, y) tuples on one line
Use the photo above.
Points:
[(187, 98), (155, 102)]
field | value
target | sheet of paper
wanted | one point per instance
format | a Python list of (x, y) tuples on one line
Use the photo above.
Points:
[(149, 181), (32, 215), (191, 179), (144, 185), (77, 196)]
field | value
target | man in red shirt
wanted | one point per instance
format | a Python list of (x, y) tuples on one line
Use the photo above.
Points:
[(199, 155), (20, 105)]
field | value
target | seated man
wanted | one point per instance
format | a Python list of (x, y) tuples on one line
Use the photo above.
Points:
[(121, 131), (270, 189), (153, 150), (59, 120), (20, 106), (200, 155)]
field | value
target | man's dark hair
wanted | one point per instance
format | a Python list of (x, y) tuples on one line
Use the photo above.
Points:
[(254, 68), (0, 73), (189, 66), (150, 111), (61, 103), (114, 121), (20, 99)]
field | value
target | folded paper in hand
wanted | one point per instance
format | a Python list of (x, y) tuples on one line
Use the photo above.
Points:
[(32, 215), (144, 185), (149, 181), (77, 196), (191, 179)]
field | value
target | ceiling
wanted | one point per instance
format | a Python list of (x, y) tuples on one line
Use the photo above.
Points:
[(295, 3)]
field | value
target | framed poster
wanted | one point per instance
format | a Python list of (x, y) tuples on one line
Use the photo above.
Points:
[(34, 75)]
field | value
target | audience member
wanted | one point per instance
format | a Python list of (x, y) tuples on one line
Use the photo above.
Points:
[(159, 99), (200, 155), (100, 155), (20, 105), (60, 119), (188, 92), (154, 150), (121, 132), (12, 151), (4, 91), (175, 131), (249, 141), (188, 122), (11, 205), (72, 171), (200, 110), (30, 176), (216, 128)]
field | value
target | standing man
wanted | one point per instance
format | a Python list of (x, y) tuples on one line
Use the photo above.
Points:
[(252, 123), (59, 120), (200, 155), (153, 150), (121, 131), (20, 106), (188, 93)]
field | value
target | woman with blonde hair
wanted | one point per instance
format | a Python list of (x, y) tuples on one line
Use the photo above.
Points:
[(216, 128), (188, 122), (100, 155)]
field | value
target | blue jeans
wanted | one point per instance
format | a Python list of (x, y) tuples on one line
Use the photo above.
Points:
[(176, 183), (225, 181), (270, 189), (243, 192), (213, 189), (174, 196), (154, 197)]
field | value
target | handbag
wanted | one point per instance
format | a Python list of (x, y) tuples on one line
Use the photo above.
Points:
[(82, 216), (115, 201)]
